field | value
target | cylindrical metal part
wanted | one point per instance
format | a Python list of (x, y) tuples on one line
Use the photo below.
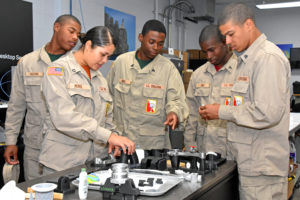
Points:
[(202, 161), (119, 173)]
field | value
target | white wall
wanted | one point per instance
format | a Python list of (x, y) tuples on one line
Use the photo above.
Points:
[(46, 11), (280, 25)]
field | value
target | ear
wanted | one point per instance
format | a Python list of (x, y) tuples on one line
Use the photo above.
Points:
[(249, 24), (56, 27), (88, 45), (140, 37)]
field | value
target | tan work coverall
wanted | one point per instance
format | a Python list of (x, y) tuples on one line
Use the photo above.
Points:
[(208, 86), (258, 126), (80, 114), (26, 96), (143, 98)]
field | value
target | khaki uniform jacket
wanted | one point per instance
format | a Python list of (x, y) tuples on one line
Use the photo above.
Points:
[(143, 97), (80, 114), (26, 95), (258, 128), (207, 86)]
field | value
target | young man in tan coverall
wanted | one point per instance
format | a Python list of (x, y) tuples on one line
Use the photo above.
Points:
[(210, 83), (147, 91), (258, 119), (26, 95)]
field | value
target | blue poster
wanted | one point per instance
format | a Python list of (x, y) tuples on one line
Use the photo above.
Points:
[(286, 48), (123, 27)]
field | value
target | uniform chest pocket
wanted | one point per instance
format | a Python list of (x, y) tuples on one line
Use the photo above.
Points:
[(202, 92), (226, 92), (80, 92), (153, 102), (105, 96), (240, 93), (33, 88), (81, 97), (120, 94), (240, 87), (123, 88)]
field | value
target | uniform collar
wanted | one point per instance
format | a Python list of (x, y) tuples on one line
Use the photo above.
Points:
[(253, 48), (229, 66), (75, 67), (147, 69), (43, 55)]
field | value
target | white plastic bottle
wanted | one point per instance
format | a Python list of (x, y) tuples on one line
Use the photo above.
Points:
[(83, 184)]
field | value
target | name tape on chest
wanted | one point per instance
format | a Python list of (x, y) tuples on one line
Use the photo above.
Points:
[(57, 71), (102, 89), (243, 78), (202, 85), (78, 86), (227, 85), (34, 74), (127, 82), (149, 85)]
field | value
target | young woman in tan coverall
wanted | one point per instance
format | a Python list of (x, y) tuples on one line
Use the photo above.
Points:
[(79, 123)]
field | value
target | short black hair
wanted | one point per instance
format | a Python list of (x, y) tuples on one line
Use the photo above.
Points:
[(237, 12), (99, 36), (211, 31), (153, 25), (63, 18)]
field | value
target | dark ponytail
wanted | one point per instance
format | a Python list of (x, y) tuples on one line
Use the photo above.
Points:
[(99, 36)]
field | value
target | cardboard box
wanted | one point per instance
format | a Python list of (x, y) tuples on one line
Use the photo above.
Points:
[(177, 53), (187, 76), (196, 54), (186, 79), (291, 185), (292, 178), (202, 55)]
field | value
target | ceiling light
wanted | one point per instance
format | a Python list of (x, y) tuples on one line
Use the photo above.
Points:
[(279, 5)]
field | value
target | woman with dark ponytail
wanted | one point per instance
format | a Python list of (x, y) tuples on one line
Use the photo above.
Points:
[(79, 123)]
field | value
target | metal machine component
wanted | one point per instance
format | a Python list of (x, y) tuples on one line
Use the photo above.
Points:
[(110, 159), (119, 173), (132, 160), (176, 155), (154, 159), (152, 162), (199, 162), (119, 186)]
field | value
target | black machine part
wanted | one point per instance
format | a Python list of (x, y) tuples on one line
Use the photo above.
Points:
[(208, 162), (126, 191), (63, 184), (132, 160)]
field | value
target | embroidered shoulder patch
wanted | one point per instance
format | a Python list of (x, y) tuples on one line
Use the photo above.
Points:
[(58, 71)]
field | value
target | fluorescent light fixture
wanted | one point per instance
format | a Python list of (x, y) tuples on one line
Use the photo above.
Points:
[(279, 5)]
